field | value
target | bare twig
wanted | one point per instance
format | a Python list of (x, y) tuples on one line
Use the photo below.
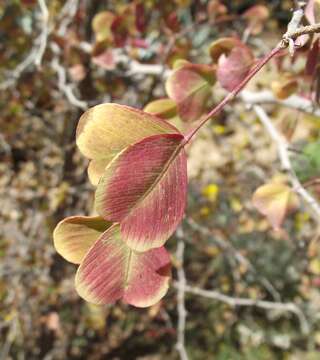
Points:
[(15, 74), (66, 15), (36, 53), (284, 157), (182, 314), (66, 88), (43, 38), (267, 97), (234, 301)]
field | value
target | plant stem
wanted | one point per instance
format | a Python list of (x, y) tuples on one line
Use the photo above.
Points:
[(234, 92)]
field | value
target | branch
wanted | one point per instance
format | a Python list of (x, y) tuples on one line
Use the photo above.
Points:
[(66, 88), (267, 97), (282, 148), (235, 301), (182, 314), (287, 40), (66, 16), (43, 38)]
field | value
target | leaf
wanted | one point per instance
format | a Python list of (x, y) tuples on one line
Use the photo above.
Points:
[(307, 165), (285, 87), (105, 60), (74, 236), (163, 108), (232, 69), (275, 201), (111, 271), (222, 46), (256, 16), (215, 8), (105, 130), (312, 11), (190, 87), (101, 25), (144, 189), (140, 17), (313, 58)]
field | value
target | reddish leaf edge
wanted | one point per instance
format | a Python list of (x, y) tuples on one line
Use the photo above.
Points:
[(141, 299)]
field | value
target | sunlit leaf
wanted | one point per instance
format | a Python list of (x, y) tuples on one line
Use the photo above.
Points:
[(74, 236), (101, 25), (190, 87), (275, 201), (164, 108), (112, 271), (144, 188), (105, 130)]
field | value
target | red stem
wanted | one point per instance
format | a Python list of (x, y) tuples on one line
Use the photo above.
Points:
[(234, 92)]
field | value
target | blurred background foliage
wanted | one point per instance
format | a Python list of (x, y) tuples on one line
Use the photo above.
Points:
[(43, 179)]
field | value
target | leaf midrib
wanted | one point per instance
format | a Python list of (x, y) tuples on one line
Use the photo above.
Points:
[(158, 178)]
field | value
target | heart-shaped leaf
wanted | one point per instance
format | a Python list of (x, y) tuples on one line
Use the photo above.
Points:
[(74, 236), (144, 189), (111, 271), (275, 200), (105, 130), (190, 87)]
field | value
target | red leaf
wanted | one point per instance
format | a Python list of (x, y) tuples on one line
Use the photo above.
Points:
[(232, 69), (190, 87), (144, 188), (140, 17), (105, 60), (313, 58), (111, 271)]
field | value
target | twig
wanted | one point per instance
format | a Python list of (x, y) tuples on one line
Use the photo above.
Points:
[(43, 38), (226, 246), (36, 54), (182, 314), (267, 97), (10, 339), (15, 74), (284, 157), (65, 87), (66, 15), (235, 301)]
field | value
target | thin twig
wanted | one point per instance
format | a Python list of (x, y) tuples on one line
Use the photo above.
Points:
[(43, 38), (182, 314), (65, 87), (235, 301), (267, 97), (282, 148)]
